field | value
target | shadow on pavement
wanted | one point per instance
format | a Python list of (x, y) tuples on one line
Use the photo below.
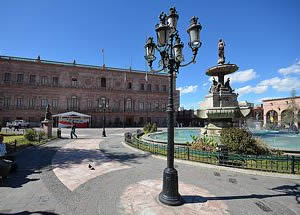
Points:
[(28, 213), (124, 157), (286, 190), (33, 161)]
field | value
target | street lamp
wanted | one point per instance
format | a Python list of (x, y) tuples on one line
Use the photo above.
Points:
[(170, 48), (103, 106)]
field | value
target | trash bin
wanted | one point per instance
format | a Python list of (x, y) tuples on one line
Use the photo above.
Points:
[(223, 154), (58, 133)]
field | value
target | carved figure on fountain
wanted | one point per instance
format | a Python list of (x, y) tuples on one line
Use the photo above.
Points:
[(221, 52)]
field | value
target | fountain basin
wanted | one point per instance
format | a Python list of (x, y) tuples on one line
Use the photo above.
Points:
[(222, 70), (275, 139)]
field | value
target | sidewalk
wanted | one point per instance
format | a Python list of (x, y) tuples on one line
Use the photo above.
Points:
[(56, 179)]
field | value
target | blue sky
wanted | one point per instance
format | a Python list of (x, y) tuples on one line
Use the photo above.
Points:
[(262, 37)]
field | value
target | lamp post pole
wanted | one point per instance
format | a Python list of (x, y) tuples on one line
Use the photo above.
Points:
[(103, 131), (171, 60), (103, 106)]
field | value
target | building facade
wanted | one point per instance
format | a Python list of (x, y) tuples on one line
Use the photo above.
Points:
[(274, 110), (134, 98)]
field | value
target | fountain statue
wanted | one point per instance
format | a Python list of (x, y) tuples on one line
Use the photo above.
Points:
[(221, 108)]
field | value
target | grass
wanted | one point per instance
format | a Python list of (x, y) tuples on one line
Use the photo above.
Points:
[(22, 142)]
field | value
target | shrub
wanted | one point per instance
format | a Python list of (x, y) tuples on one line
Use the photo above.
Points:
[(204, 143), (30, 134), (241, 141)]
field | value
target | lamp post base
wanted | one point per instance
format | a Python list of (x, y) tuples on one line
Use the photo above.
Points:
[(103, 134), (170, 195)]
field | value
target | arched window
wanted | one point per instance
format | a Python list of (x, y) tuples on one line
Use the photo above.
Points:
[(103, 82)]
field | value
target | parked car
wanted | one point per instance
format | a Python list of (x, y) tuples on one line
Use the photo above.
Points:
[(18, 124)]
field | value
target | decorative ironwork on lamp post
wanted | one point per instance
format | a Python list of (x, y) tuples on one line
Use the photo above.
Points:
[(170, 48), (103, 106)]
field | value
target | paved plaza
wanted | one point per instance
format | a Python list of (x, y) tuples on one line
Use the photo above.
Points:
[(96, 175)]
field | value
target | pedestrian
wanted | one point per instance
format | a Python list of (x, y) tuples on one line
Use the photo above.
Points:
[(6, 158), (73, 129)]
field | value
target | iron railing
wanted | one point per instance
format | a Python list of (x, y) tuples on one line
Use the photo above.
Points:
[(271, 163)]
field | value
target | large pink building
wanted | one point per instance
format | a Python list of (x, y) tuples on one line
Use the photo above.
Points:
[(274, 109), (28, 85)]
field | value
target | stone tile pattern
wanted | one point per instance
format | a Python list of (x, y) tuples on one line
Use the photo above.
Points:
[(142, 198), (71, 163)]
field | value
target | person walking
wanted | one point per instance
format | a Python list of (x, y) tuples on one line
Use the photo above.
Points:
[(8, 159), (73, 129)]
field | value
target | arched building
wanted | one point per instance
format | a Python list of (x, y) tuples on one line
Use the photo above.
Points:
[(275, 109)]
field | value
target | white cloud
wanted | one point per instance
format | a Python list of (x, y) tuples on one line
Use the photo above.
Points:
[(242, 76), (188, 89), (265, 98), (294, 68), (279, 84)]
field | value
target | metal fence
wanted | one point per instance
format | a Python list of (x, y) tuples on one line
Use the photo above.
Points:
[(271, 163)]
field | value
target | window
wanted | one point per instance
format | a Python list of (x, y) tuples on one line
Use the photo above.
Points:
[(7, 102), (74, 82), (55, 81), (157, 87), (156, 106), (44, 103), (20, 78), (142, 87), (31, 103), (19, 102), (149, 106), (103, 82), (149, 87), (32, 79), (89, 104), (54, 103), (129, 86), (74, 102), (141, 106), (164, 88), (164, 107), (44, 80), (1, 102), (7, 77), (128, 104)]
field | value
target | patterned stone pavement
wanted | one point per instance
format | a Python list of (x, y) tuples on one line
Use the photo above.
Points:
[(55, 179), (141, 198), (72, 163)]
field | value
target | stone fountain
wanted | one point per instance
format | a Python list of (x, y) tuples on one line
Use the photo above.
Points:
[(220, 108)]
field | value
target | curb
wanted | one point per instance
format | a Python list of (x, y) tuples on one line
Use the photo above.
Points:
[(221, 168)]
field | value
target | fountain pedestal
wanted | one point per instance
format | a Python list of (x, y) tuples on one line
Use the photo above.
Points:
[(220, 108)]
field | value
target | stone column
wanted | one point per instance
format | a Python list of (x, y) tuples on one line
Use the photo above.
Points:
[(279, 119), (47, 125), (265, 120)]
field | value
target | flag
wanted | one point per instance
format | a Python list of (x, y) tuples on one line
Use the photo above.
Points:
[(125, 77), (146, 77)]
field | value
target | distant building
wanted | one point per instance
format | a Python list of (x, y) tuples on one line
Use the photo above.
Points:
[(274, 109), (188, 118), (28, 85)]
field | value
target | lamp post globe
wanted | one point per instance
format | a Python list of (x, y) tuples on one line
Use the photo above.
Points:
[(170, 48)]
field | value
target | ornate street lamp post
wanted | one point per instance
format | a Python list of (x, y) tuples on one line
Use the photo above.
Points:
[(103, 106), (170, 48)]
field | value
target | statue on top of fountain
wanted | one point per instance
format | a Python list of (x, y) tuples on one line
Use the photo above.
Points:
[(218, 86), (221, 46)]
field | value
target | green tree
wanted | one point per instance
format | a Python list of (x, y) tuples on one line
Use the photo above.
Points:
[(291, 114)]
